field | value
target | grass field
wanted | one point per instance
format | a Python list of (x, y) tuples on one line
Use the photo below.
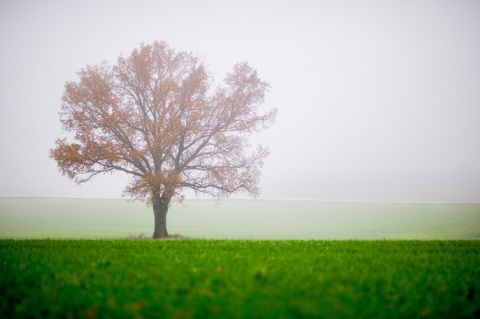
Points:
[(239, 279), (238, 219)]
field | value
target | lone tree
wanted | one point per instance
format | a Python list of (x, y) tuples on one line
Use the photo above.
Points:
[(154, 116)]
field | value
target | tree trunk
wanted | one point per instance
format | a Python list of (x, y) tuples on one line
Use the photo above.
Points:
[(160, 210)]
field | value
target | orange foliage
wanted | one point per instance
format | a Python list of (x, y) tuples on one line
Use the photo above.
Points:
[(154, 115)]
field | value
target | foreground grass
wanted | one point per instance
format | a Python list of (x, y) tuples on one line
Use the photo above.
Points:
[(239, 279)]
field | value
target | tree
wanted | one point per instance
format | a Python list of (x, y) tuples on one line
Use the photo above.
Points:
[(154, 116)]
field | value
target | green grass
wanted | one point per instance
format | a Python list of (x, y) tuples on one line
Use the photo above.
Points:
[(239, 279)]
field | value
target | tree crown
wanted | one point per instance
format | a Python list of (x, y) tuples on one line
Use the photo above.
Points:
[(154, 116)]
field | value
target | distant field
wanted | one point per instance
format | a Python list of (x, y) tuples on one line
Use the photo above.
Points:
[(239, 279), (238, 219)]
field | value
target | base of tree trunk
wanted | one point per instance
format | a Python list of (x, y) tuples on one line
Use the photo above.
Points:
[(160, 213), (159, 235)]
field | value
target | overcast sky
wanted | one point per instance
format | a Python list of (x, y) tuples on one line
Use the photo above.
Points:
[(378, 100)]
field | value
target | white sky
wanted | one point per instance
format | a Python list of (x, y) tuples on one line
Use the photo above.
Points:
[(378, 100)]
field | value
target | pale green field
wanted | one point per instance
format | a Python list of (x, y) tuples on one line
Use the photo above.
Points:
[(238, 219)]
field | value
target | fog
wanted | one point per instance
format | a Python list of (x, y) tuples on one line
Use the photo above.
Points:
[(378, 100)]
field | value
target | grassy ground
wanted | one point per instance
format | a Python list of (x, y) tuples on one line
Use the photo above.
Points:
[(239, 279), (238, 219)]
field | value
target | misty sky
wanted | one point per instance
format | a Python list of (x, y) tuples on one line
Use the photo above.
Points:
[(377, 100)]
